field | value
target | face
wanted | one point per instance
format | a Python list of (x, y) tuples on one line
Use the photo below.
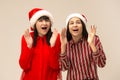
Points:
[(75, 27), (43, 26)]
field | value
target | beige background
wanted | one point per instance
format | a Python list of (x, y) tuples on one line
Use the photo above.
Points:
[(14, 20)]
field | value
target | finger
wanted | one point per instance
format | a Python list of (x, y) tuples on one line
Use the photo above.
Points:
[(94, 28), (55, 31), (63, 31), (26, 34), (62, 35), (91, 28)]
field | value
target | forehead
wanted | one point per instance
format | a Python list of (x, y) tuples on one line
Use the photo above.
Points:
[(74, 19), (44, 18)]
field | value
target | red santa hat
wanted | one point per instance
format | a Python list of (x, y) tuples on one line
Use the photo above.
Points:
[(36, 13), (81, 16)]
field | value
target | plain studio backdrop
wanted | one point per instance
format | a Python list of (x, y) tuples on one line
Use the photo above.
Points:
[(105, 14)]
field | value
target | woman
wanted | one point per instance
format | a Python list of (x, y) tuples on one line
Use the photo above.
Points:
[(40, 48), (81, 52)]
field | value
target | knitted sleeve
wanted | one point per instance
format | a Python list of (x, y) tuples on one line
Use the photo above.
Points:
[(25, 56), (99, 57), (54, 54)]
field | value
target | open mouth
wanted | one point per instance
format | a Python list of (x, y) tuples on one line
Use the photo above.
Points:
[(44, 28), (75, 29)]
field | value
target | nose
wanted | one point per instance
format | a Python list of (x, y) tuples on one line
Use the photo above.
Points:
[(44, 22), (74, 24)]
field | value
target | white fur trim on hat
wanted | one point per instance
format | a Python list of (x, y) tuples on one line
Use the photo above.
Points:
[(38, 14), (76, 15)]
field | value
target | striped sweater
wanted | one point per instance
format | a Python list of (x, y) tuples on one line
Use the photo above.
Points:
[(81, 62)]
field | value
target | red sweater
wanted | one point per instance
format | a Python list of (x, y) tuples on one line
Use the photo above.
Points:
[(40, 62)]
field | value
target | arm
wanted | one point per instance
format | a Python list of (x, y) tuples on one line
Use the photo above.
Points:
[(54, 54), (99, 56), (26, 55), (96, 47), (26, 50), (64, 61), (63, 55)]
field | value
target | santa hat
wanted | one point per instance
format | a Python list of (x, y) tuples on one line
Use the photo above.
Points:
[(81, 16), (36, 13)]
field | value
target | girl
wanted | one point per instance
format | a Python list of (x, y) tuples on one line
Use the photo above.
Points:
[(81, 52), (40, 48)]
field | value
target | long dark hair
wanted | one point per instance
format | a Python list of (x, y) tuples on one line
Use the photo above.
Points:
[(48, 35), (84, 32)]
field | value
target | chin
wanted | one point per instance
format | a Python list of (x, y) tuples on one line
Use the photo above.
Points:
[(75, 35)]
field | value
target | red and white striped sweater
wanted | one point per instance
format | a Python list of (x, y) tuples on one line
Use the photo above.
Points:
[(81, 62)]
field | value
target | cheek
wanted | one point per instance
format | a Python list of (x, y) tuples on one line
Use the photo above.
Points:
[(70, 30), (49, 25), (80, 28), (38, 28), (38, 25)]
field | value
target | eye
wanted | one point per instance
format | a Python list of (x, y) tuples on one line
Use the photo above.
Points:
[(40, 20), (70, 23), (78, 22), (47, 20)]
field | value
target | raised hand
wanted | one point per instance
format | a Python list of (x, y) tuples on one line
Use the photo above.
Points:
[(63, 39), (91, 34), (53, 37), (28, 38)]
